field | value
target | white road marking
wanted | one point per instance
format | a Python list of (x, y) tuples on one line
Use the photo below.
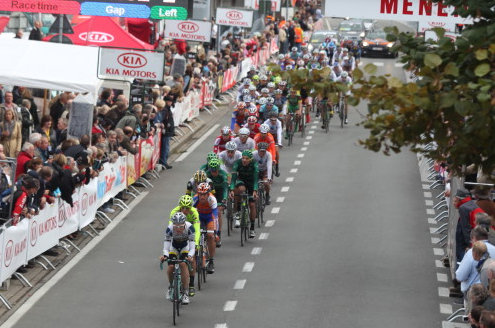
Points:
[(197, 143), (399, 64), (31, 301), (432, 221), (442, 277), (304, 148), (438, 264), (284, 189), (275, 210), (221, 325), (435, 240), (311, 131), (314, 126), (360, 63), (269, 223), (289, 179), (264, 235), (379, 64), (446, 308), (256, 250), (248, 267), (426, 187), (430, 211), (432, 230), (438, 251), (443, 292), (306, 143), (300, 155), (230, 306), (280, 199), (427, 194), (428, 202), (297, 162), (293, 170), (309, 137), (239, 284)]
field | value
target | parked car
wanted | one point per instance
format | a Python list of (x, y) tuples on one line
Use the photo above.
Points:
[(318, 37), (376, 44)]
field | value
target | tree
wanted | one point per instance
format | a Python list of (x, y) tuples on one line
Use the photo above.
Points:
[(451, 104)]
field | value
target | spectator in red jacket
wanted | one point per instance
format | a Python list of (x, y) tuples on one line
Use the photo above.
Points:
[(26, 154)]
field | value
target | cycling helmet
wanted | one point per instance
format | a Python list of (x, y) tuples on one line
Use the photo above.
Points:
[(315, 51), (241, 104), (277, 79), (179, 218), (246, 82), (256, 78), (244, 131), (344, 74), (252, 119), (271, 85), (322, 52), (252, 68), (306, 56), (245, 91), (270, 101), (294, 49), (283, 83), (185, 201), (280, 57), (262, 101), (214, 164), (199, 176), (247, 153), (231, 145), (264, 128), (203, 188), (262, 146), (346, 58), (304, 47), (265, 90), (288, 67), (247, 99), (300, 62), (278, 92), (211, 155), (225, 130), (252, 88), (263, 78), (300, 68), (273, 116), (252, 111)]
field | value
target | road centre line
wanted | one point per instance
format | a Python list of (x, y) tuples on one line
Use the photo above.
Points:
[(275, 210), (443, 292), (256, 250), (297, 162), (197, 143), (289, 179), (427, 194), (284, 189), (442, 277), (248, 267), (31, 301), (300, 155), (430, 211), (306, 143), (293, 170), (379, 64), (269, 223), (314, 126), (311, 131), (239, 284), (438, 251), (221, 325), (230, 306), (438, 264), (446, 308), (428, 202), (304, 148), (280, 199), (309, 137), (264, 235), (399, 64), (432, 221)]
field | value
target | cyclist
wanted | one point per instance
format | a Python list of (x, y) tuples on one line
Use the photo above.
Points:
[(346, 79), (266, 137), (253, 126), (220, 141), (206, 204), (245, 179), (283, 86), (294, 55), (252, 92), (211, 155), (192, 216), (179, 242), (294, 107), (245, 86), (264, 160), (279, 99), (263, 82), (229, 156), (336, 71), (275, 128), (268, 109), (243, 141), (198, 178), (220, 185), (239, 116), (348, 64)]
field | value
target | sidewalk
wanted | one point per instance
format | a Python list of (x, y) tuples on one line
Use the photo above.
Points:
[(40, 273)]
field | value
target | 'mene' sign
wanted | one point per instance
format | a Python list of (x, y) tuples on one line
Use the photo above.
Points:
[(421, 8), (130, 64)]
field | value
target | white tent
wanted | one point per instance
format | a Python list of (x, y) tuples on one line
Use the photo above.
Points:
[(46, 65)]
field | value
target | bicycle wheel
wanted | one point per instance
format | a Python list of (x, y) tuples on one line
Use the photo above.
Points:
[(175, 297), (206, 255), (243, 222), (229, 216), (262, 205), (198, 266), (303, 124)]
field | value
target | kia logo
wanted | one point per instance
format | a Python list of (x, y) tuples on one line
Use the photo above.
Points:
[(188, 27), (34, 232), (98, 37), (84, 204), (62, 215), (131, 60), (234, 15), (9, 252)]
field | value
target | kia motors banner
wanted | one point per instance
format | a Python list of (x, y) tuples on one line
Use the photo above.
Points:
[(129, 64), (188, 30), (234, 17), (404, 10), (87, 201), (43, 231), (14, 248), (68, 217), (42, 6)]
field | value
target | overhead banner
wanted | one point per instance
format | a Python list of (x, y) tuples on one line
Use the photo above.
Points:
[(402, 10), (42, 6), (188, 30), (234, 17), (129, 64), (255, 4)]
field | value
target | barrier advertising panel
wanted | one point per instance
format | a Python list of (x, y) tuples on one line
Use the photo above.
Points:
[(43, 231), (87, 201), (14, 246)]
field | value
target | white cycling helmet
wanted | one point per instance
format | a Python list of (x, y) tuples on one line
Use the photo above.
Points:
[(262, 101), (344, 74), (252, 88), (245, 91), (225, 130), (263, 77), (264, 128), (252, 119), (294, 49), (280, 57), (231, 145), (244, 132), (265, 90), (270, 85)]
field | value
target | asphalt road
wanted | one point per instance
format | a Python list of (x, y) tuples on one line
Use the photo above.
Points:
[(349, 247)]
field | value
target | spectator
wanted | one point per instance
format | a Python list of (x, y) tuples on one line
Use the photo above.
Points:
[(8, 104), (106, 98), (61, 132), (467, 209), (484, 202), (474, 316), (467, 273), (116, 113), (43, 174), (19, 34), (477, 295), (42, 149), (29, 186), (26, 94), (46, 130), (36, 33), (485, 221), (113, 144), (165, 121), (489, 303), (26, 154), (124, 140), (131, 117), (79, 148), (11, 134), (58, 106), (27, 122), (487, 319)]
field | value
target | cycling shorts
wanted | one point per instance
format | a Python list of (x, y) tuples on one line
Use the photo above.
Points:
[(173, 255), (208, 226), (205, 219), (249, 189), (218, 194)]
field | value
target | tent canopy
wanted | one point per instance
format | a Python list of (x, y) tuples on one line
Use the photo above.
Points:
[(104, 32), (47, 65)]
